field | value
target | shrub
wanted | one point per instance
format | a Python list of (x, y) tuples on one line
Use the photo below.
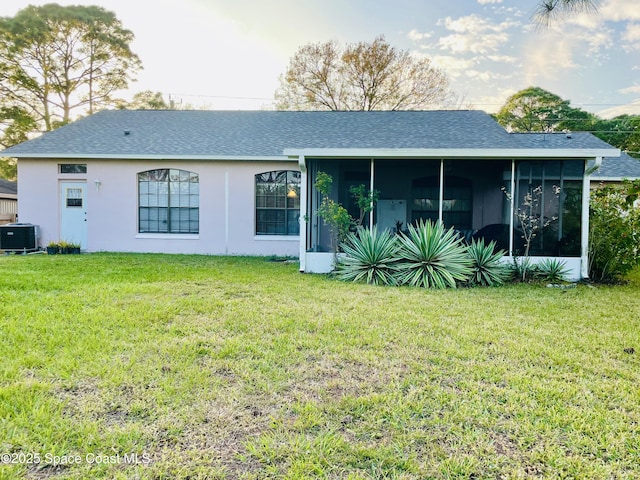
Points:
[(370, 257), (335, 215), (332, 213), (432, 257), (552, 270), (486, 266), (614, 233)]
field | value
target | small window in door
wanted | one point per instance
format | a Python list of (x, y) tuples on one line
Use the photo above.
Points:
[(74, 197)]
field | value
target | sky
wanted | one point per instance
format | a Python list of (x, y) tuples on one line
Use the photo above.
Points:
[(229, 54)]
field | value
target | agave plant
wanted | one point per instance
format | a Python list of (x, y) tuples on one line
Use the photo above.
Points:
[(552, 270), (369, 256), (432, 257), (487, 268)]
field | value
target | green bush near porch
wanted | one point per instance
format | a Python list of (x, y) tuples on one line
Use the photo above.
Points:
[(221, 368)]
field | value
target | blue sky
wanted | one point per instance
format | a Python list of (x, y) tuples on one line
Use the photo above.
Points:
[(228, 54)]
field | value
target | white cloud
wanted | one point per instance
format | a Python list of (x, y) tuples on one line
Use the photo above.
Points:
[(474, 34), (474, 24), (455, 67), (546, 56), (632, 108), (631, 89), (484, 2), (416, 36), (620, 10), (502, 58), (466, 43), (486, 75), (632, 37)]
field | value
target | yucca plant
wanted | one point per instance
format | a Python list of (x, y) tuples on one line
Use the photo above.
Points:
[(370, 256), (552, 270), (432, 257), (522, 269), (486, 266)]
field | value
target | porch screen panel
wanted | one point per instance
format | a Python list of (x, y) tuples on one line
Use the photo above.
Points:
[(457, 205), (548, 204), (168, 201), (278, 203)]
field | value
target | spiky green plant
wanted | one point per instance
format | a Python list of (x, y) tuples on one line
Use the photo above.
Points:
[(522, 269), (370, 256), (552, 270), (487, 268), (432, 257)]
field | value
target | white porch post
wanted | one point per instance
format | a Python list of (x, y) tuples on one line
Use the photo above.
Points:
[(303, 212), (512, 190), (371, 185), (441, 195)]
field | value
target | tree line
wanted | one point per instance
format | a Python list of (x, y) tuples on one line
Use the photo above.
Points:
[(537, 110)]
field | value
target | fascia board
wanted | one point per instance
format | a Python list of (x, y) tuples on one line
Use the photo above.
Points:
[(489, 153), (611, 179), (76, 156)]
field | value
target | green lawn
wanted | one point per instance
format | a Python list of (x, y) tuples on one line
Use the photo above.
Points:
[(209, 367)]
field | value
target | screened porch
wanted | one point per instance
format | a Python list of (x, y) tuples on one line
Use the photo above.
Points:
[(501, 200)]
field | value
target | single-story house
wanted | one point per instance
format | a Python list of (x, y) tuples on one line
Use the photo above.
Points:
[(8, 201), (238, 182)]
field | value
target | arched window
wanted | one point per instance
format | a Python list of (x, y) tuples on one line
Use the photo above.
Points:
[(456, 206), (168, 201), (278, 203)]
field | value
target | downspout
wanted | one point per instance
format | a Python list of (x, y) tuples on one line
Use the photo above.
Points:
[(584, 237), (371, 185), (303, 212)]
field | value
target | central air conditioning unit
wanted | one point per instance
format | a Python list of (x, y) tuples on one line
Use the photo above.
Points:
[(19, 237)]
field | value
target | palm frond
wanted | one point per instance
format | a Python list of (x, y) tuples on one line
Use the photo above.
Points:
[(549, 11)]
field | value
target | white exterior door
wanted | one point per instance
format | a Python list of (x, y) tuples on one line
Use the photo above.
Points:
[(73, 212)]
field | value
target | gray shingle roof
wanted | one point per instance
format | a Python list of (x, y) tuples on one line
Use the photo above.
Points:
[(617, 168), (266, 133), (560, 140), (9, 187)]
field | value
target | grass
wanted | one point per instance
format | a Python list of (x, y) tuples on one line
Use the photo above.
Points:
[(209, 367)]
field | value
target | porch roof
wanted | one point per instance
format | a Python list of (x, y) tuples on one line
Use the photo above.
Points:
[(238, 135), (617, 169), (8, 189)]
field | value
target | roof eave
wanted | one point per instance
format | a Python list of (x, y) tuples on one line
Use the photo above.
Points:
[(77, 156), (452, 152), (351, 153), (613, 178)]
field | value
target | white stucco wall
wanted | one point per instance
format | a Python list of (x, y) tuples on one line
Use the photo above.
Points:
[(227, 206)]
